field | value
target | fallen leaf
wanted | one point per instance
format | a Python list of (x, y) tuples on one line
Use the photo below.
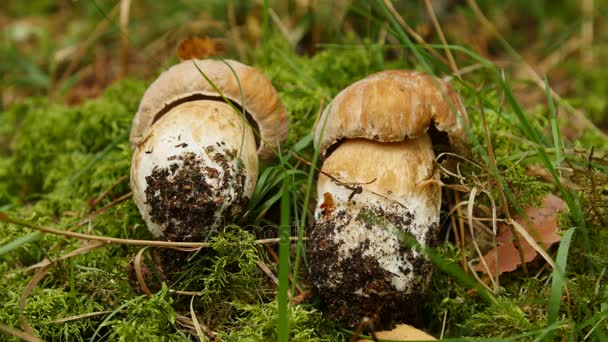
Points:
[(196, 47), (541, 224)]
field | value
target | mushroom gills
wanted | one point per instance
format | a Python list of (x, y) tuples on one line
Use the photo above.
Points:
[(195, 168), (380, 192)]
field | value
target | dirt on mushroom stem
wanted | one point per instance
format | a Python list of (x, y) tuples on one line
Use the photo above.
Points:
[(360, 266), (186, 203), (356, 285)]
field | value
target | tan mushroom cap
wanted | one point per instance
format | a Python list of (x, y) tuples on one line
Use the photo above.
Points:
[(184, 82), (391, 106), (403, 332)]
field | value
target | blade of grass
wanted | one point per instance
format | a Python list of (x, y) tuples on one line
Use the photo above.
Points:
[(555, 129), (302, 224), (20, 241), (447, 267), (559, 278), (109, 317), (283, 320)]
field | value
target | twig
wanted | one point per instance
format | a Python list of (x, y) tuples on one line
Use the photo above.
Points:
[(413, 33), (268, 272), (113, 240), (106, 192), (18, 333)]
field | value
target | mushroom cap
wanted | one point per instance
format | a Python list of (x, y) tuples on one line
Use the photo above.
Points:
[(391, 106), (403, 332), (203, 152), (184, 82)]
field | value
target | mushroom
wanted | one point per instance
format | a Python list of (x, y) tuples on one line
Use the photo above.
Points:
[(378, 184), (195, 159)]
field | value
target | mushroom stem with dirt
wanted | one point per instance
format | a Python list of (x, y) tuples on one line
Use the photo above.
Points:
[(196, 143), (379, 186)]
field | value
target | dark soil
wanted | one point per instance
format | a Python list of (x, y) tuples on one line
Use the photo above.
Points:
[(190, 200), (365, 288)]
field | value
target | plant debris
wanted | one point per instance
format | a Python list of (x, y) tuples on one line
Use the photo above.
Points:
[(542, 226)]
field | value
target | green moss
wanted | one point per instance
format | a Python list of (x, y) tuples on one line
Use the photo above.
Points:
[(505, 318), (225, 273), (259, 323), (146, 319), (58, 148), (529, 191)]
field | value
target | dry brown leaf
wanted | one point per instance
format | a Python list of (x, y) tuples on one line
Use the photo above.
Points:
[(542, 225), (196, 47)]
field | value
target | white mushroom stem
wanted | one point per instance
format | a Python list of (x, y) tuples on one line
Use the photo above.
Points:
[(380, 191), (195, 167)]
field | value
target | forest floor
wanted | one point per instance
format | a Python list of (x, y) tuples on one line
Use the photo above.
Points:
[(531, 77)]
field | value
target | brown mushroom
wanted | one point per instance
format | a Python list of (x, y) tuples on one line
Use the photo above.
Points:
[(195, 159), (378, 184)]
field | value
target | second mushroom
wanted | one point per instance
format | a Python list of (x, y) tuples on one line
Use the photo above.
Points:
[(378, 183)]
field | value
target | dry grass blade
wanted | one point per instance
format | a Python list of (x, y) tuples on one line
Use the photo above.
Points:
[(411, 32), (132, 242), (431, 11), (195, 322), (19, 334), (82, 316), (38, 276), (268, 272), (445, 319), (106, 192), (587, 33), (529, 239), (81, 250), (461, 227), (470, 206), (137, 263)]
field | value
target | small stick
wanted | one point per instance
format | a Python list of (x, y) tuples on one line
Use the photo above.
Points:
[(355, 187), (106, 192), (110, 240), (452, 63)]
